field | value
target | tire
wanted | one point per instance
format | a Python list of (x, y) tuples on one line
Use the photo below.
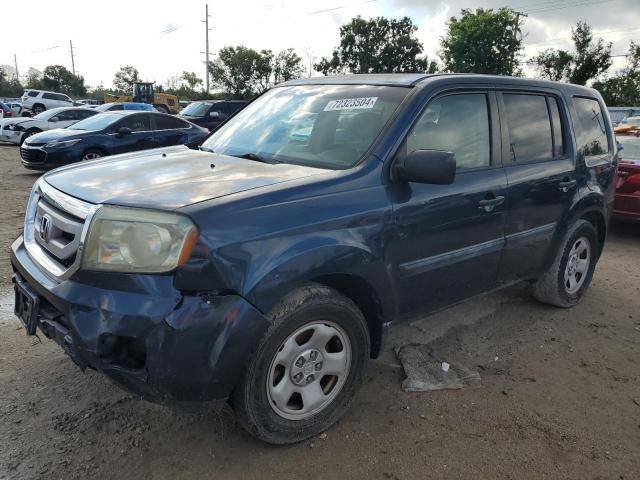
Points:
[(38, 108), (555, 286), (28, 134), (92, 154), (313, 318)]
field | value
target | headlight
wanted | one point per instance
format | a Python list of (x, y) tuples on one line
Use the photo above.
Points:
[(136, 240), (65, 144)]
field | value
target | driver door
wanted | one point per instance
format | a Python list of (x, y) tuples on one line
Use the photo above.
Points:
[(140, 138), (449, 238)]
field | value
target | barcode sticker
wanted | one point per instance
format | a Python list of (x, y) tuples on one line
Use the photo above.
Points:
[(351, 104)]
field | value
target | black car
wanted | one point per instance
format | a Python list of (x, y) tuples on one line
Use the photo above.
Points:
[(211, 113), (108, 134), (266, 267)]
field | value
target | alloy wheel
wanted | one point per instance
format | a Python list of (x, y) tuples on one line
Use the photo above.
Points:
[(575, 272)]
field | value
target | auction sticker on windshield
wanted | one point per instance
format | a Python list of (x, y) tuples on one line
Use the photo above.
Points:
[(351, 104)]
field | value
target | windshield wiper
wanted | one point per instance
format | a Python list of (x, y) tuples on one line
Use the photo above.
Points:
[(256, 158)]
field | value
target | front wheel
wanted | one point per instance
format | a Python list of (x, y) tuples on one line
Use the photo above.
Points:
[(568, 278), (92, 154), (306, 369)]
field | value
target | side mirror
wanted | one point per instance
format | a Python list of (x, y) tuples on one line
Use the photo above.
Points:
[(214, 114), (53, 119), (124, 131), (428, 166)]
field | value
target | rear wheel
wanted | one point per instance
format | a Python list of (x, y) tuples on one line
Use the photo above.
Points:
[(306, 369), (92, 154), (38, 108), (568, 278)]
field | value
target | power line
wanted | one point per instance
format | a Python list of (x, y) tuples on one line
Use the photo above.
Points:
[(568, 37), (578, 3)]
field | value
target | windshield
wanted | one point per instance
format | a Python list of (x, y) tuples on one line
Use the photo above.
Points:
[(327, 126), (96, 122), (195, 109), (631, 148)]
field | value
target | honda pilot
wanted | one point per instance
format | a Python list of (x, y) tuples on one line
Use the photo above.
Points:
[(265, 268)]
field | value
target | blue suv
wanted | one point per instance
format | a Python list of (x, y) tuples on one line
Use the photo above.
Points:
[(265, 268)]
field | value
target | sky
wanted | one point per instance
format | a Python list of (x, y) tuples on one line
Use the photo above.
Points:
[(163, 38)]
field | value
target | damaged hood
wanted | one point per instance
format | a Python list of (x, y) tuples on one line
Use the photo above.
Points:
[(169, 178)]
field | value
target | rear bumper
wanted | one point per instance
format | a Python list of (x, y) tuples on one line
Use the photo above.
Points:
[(143, 334), (626, 207)]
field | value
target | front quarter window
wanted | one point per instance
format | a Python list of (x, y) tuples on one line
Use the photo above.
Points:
[(326, 126)]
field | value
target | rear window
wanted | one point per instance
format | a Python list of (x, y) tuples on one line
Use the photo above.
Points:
[(33, 94), (166, 122), (530, 135), (592, 131)]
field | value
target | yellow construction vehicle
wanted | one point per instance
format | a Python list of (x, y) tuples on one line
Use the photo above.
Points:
[(143, 92)]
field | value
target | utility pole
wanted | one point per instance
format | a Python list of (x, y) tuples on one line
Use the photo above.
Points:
[(516, 31), (15, 62), (73, 64), (206, 52)]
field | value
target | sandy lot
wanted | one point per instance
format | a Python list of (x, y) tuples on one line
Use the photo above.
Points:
[(560, 396)]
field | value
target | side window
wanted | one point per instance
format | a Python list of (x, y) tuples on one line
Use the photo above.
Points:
[(117, 106), (82, 114), (166, 122), (63, 98), (558, 128), (221, 108), (49, 96), (66, 115), (137, 123), (33, 94), (592, 132), (455, 123), (529, 127)]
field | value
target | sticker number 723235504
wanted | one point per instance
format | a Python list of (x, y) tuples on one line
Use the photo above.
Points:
[(351, 104)]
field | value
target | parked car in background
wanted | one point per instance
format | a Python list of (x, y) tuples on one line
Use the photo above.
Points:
[(619, 114), (37, 101), (266, 267), (627, 202), (18, 129), (16, 108), (108, 133), (112, 107), (5, 111), (211, 113), (89, 102)]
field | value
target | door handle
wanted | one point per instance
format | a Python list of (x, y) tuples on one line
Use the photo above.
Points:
[(566, 184), (488, 204)]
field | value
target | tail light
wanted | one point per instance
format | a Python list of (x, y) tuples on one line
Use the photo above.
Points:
[(8, 114), (628, 178)]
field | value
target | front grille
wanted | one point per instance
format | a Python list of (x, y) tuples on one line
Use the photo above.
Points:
[(54, 227), (32, 155)]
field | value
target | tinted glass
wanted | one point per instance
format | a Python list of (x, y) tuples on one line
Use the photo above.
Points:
[(329, 126), (66, 115), (82, 114), (592, 133), (558, 128), (49, 96), (33, 94), (196, 109), (458, 124), (96, 122), (117, 106), (165, 122), (529, 127), (221, 108), (137, 123)]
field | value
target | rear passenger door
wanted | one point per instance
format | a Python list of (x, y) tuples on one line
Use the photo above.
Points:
[(449, 238), (540, 174)]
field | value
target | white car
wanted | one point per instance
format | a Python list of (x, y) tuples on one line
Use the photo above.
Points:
[(16, 130), (39, 100)]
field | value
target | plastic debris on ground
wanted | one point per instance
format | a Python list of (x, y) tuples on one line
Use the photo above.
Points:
[(425, 373)]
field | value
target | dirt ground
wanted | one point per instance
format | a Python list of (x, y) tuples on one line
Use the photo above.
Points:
[(559, 398)]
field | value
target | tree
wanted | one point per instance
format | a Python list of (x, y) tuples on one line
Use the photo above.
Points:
[(588, 60), (191, 79), (379, 45), (33, 78), (124, 79), (484, 41), (287, 65), (243, 72), (553, 64), (623, 89), (58, 79)]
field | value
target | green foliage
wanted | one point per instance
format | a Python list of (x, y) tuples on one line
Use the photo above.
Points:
[(9, 86), (242, 72), (58, 79), (191, 80), (484, 41), (287, 65), (379, 45), (124, 79), (588, 60), (623, 89)]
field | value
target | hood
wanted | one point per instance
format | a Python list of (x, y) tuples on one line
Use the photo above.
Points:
[(169, 178), (54, 135)]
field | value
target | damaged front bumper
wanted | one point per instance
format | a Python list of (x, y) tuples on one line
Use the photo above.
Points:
[(140, 331)]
